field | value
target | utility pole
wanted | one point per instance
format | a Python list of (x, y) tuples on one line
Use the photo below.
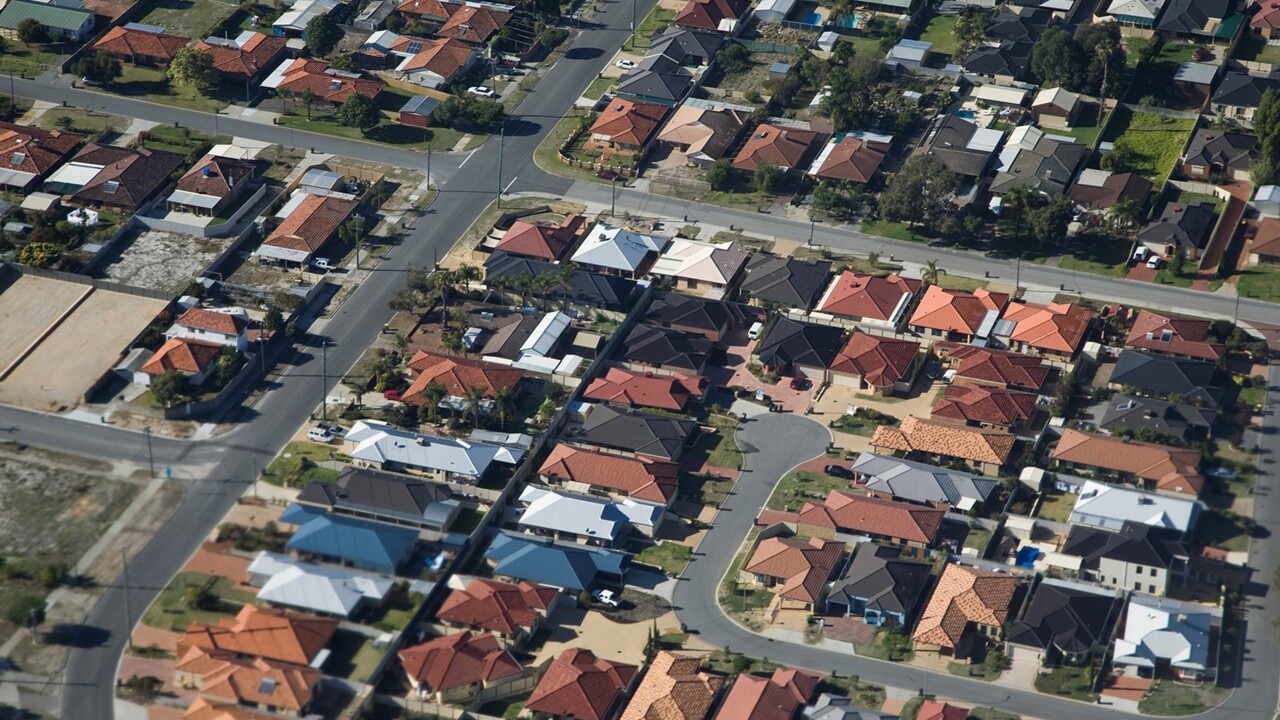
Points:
[(811, 224), (128, 615), (1017, 283), (633, 24), (215, 123), (151, 459), (502, 134), (324, 379), (428, 166), (11, 95), (613, 196)]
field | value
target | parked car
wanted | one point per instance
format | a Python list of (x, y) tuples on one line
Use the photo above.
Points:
[(607, 174), (626, 64), (839, 471), (1224, 473), (319, 434), (605, 597), (322, 263), (1141, 253), (483, 91), (394, 394), (1154, 262), (799, 383)]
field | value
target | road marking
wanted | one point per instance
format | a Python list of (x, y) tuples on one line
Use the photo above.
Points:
[(508, 187), (464, 162)]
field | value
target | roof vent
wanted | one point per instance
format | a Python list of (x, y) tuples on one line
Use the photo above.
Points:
[(762, 134), (267, 687), (206, 171), (1151, 335)]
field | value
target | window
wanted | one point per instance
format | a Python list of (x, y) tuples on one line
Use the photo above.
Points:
[(1153, 572), (1137, 569), (1151, 589), (1137, 587)]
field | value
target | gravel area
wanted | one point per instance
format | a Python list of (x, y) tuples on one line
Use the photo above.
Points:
[(162, 260)]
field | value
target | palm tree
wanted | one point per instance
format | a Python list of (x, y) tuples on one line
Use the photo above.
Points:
[(503, 401), (308, 99), (931, 272), (523, 283), (452, 340), (442, 282), (434, 393), (562, 280), (474, 396)]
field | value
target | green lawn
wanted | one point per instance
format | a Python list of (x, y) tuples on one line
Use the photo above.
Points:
[(1171, 699), (1068, 681), (978, 539), (977, 672), (188, 18), (150, 84), (396, 613), (169, 611), (1056, 506), (296, 465), (1155, 140), (1088, 125), (797, 487), (468, 519), (655, 22), (1098, 254), (352, 656), (897, 230), (83, 121), (855, 425), (598, 87), (947, 281), (879, 647), (722, 662), (669, 556), (23, 59), (546, 155), (739, 598), (1254, 48), (1261, 282), (941, 31), (1216, 528), (704, 491), (720, 446)]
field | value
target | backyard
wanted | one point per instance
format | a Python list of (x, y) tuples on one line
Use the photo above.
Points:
[(187, 18), (1154, 141), (941, 32), (1086, 127), (1056, 506), (181, 602), (798, 487), (352, 656), (1158, 87)]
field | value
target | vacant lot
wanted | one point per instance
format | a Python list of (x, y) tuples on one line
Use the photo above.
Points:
[(1153, 140), (161, 260), (188, 18), (26, 309)]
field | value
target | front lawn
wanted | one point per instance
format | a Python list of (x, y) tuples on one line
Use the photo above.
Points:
[(85, 122), (703, 490), (1255, 48), (599, 87), (298, 464), (897, 230), (947, 281), (22, 59), (670, 557), (1222, 529), (719, 445), (798, 487), (1068, 681), (653, 24), (150, 84), (176, 606), (1168, 698), (1260, 282), (1098, 254), (1155, 140)]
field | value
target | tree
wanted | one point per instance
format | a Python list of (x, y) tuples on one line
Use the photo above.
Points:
[(432, 395), (1266, 125), (197, 597), (475, 397), (228, 365), (931, 272), (1049, 223), (969, 29), (273, 321), (503, 402), (98, 67), (1056, 58), (1104, 55), (718, 174), (921, 192), (1122, 158), (848, 103), (39, 254), (193, 68), (308, 101), (357, 111), (733, 59), (839, 198), (322, 34), (170, 388), (64, 122), (1123, 215), (767, 177), (32, 32), (345, 62)]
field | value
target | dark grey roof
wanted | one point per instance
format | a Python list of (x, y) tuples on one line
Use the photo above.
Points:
[(1192, 16), (1166, 375), (656, 77), (784, 280), (791, 342), (882, 579), (687, 46), (1024, 25), (950, 144), (1135, 543), (1242, 89), (1129, 412), (671, 309), (421, 105), (606, 291), (393, 497), (839, 707), (1185, 225), (1046, 168), (659, 347), (1209, 147), (1066, 617), (659, 436), (1008, 58)]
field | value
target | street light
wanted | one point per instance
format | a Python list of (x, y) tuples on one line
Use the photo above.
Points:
[(324, 379), (151, 460), (502, 135)]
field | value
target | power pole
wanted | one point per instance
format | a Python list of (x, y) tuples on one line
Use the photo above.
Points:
[(128, 615), (324, 379), (502, 134), (428, 166), (151, 459), (811, 224), (613, 196)]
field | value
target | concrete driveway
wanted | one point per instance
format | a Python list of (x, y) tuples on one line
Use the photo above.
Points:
[(1024, 666)]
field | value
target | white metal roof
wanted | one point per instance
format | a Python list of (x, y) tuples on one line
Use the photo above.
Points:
[(583, 515), (382, 443), (1164, 629), (1001, 94), (1116, 505), (76, 174), (617, 248), (190, 199), (15, 178), (40, 201), (318, 588)]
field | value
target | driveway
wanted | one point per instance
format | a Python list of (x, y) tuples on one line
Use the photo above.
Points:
[(1024, 666)]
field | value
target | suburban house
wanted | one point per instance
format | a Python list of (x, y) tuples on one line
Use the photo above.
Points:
[(704, 130), (246, 56), (137, 44), (1002, 63), (585, 289), (544, 242), (880, 586), (986, 450), (454, 668), (212, 186), (935, 710), (28, 154), (346, 541), (1138, 14), (984, 406), (193, 358), (310, 221), (617, 476), (1214, 153), (687, 46), (632, 432), (586, 519), (1174, 336), (228, 327), (1265, 21), (283, 689), (1100, 190), (1056, 330), (330, 86), (265, 632), (1154, 467), (1164, 376), (1056, 108), (1064, 622), (656, 79), (719, 15), (787, 281), (853, 157), (474, 22), (710, 318), (433, 64), (1161, 637), (1238, 95), (797, 570), (838, 707), (957, 315), (1264, 246), (710, 270), (778, 696), (968, 606), (893, 478), (883, 365), (1201, 21), (619, 251), (653, 349), (1111, 506), (385, 497), (975, 365), (1132, 415), (620, 386), (117, 178), (799, 349), (627, 125), (885, 521), (581, 686), (293, 21), (1137, 557), (674, 688), (511, 612), (871, 300), (61, 22), (567, 566), (460, 377), (961, 145), (1038, 161), (375, 444), (319, 589), (785, 147)]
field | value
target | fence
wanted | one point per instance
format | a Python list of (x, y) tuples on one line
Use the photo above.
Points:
[(219, 230), (95, 283), (768, 47), (673, 180)]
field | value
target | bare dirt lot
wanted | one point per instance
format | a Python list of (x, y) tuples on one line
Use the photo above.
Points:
[(161, 260), (26, 309)]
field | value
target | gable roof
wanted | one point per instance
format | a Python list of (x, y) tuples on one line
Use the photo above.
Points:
[(803, 566), (319, 588), (216, 176), (265, 632), (946, 439), (642, 433), (606, 291), (1241, 89), (880, 578), (981, 404), (962, 146), (252, 682), (785, 280), (360, 542), (381, 443), (660, 347), (706, 132), (189, 357), (131, 41), (962, 596), (794, 343), (1171, 469), (569, 566), (858, 295), (657, 77), (850, 158), (957, 311), (458, 376), (458, 660), (1163, 629), (668, 392), (879, 361), (672, 309), (1132, 412), (1211, 147), (33, 150), (687, 46), (1057, 98), (246, 56), (473, 23), (995, 366), (397, 498), (1174, 335), (315, 219), (1055, 327), (778, 696), (1067, 616), (711, 14), (1165, 374), (497, 606), (1186, 227), (1104, 505), (1037, 160), (714, 263), (1099, 189), (579, 685), (921, 483), (298, 75), (588, 516), (629, 122), (873, 516), (540, 241), (1135, 543), (781, 146), (129, 176), (58, 17), (673, 688)]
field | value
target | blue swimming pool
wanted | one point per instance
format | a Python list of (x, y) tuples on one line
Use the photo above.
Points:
[(812, 18), (967, 114)]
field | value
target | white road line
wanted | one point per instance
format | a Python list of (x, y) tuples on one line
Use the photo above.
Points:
[(508, 187), (464, 162)]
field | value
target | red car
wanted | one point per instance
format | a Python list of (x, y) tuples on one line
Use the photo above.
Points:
[(393, 394), (606, 174), (800, 383)]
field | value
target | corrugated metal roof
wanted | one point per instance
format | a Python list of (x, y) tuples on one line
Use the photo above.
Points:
[(49, 16)]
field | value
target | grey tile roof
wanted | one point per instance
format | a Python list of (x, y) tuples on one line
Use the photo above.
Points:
[(1152, 372), (1242, 89), (884, 581), (791, 343), (658, 347), (386, 495), (1131, 412), (921, 483), (1186, 226), (687, 46), (1068, 617), (1135, 543), (1209, 147), (607, 291), (671, 309), (786, 281), (658, 436)]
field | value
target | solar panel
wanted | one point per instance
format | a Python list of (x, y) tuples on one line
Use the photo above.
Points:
[(415, 47)]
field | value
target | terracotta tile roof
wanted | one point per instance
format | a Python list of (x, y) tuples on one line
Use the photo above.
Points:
[(1267, 17), (784, 147), (216, 176), (880, 361), (442, 56), (964, 595), (458, 660), (955, 310), (1171, 469), (497, 606), (202, 709), (673, 688), (303, 74), (934, 710), (853, 159), (129, 176), (776, 697), (979, 404), (202, 319), (475, 24), (629, 122), (312, 223), (995, 366), (29, 149), (947, 439), (702, 130), (1266, 239), (803, 566), (426, 8), (1056, 327), (258, 681), (627, 387), (858, 295), (185, 356), (873, 516), (707, 14), (1186, 336), (458, 375), (638, 477), (263, 632), (579, 685), (258, 53), (129, 42), (540, 241)]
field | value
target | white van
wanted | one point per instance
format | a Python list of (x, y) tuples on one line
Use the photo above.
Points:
[(319, 434), (756, 329), (1141, 253)]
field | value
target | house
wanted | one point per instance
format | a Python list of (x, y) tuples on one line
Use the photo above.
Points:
[(460, 377), (228, 327), (263, 632), (895, 479), (1266, 200), (511, 612), (883, 365), (329, 86), (1064, 622), (347, 541), (909, 54), (785, 281), (1154, 467), (375, 444), (1200, 21), (323, 590), (1214, 153), (586, 519), (632, 432), (1004, 63), (885, 521), (1161, 637), (710, 270), (1265, 21), (988, 407), (797, 570), (719, 15), (388, 498), (968, 605), (799, 349), (252, 683), (880, 586), (619, 251), (656, 79), (934, 710), (473, 22), (975, 365), (1237, 96), (647, 348), (310, 223), (118, 178), (61, 22), (455, 668), (784, 147), (1100, 190), (632, 389), (1056, 330), (193, 358), (585, 289), (211, 186), (1137, 556), (627, 125), (839, 707), (1039, 161), (1138, 14), (961, 145), (245, 57), (1018, 24), (854, 157), (687, 46), (569, 567), (581, 686), (1264, 246), (871, 300), (674, 688), (712, 319), (1174, 336), (293, 21), (776, 697), (433, 64), (957, 315), (1179, 229), (1110, 506), (987, 450), (28, 154), (1056, 108), (704, 130), (137, 44), (543, 242), (1132, 415), (1166, 377)]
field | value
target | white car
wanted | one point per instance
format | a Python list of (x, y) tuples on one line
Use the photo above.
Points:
[(1154, 262), (482, 91), (605, 597), (319, 434), (626, 64)]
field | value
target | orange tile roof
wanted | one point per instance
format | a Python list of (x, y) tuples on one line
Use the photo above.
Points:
[(312, 223), (257, 681), (202, 709), (256, 55), (1056, 327), (224, 323), (1171, 469), (36, 151), (947, 439), (185, 356), (934, 710), (475, 24), (778, 696), (263, 632), (629, 122), (707, 14), (540, 241), (638, 477), (880, 361), (129, 42), (995, 366), (497, 606), (964, 595), (458, 375), (955, 310), (784, 147), (627, 387), (803, 566), (458, 660), (874, 516), (303, 74), (858, 295), (579, 685), (1187, 336), (673, 688), (854, 159), (976, 403), (442, 56)]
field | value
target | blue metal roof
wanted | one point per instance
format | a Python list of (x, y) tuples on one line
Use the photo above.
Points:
[(542, 561), (365, 544)]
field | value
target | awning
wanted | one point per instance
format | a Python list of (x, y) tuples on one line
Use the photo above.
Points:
[(195, 200)]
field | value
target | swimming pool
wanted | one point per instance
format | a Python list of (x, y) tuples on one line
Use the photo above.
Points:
[(967, 114), (813, 18)]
